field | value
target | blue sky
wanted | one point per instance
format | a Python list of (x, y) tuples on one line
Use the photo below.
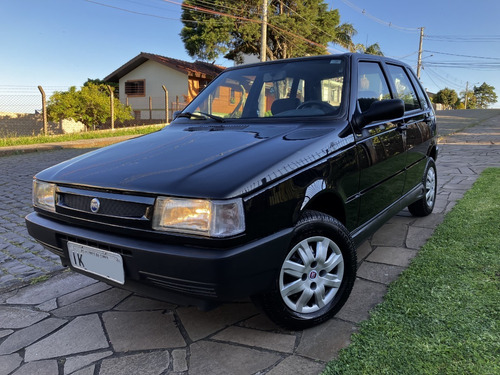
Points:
[(60, 43)]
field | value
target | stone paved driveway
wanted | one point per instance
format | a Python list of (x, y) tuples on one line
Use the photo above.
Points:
[(70, 324)]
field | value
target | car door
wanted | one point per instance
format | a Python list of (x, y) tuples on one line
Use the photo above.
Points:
[(380, 147), (415, 130)]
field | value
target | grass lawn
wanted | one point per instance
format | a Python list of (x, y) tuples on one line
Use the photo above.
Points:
[(442, 316), (18, 141)]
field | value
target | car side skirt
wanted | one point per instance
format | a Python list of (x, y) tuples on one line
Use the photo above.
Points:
[(360, 234)]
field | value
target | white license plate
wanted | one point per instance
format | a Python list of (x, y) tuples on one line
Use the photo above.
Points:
[(96, 261)]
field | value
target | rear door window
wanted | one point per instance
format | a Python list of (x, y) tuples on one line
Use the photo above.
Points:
[(404, 88)]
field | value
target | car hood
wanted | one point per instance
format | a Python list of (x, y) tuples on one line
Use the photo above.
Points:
[(203, 161)]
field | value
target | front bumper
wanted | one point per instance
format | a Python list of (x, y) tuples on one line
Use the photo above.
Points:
[(177, 273)]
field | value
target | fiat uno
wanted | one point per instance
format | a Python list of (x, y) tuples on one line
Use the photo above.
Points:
[(262, 187)]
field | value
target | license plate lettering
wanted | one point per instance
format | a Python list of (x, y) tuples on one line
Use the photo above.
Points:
[(96, 261)]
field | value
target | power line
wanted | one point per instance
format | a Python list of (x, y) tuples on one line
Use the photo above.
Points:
[(378, 20), (143, 13), (405, 56), (146, 4), (428, 76), (311, 24), (131, 11), (445, 80), (463, 38), (455, 54), (208, 11), (214, 12), (220, 6), (471, 65)]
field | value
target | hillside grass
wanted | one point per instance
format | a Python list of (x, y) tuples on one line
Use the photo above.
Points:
[(20, 141), (442, 316)]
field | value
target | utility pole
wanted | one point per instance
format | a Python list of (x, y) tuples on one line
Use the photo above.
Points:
[(263, 43), (44, 110), (112, 106), (419, 63), (263, 37), (166, 103), (466, 94)]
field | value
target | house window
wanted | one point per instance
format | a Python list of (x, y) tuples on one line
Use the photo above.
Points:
[(232, 96), (135, 88)]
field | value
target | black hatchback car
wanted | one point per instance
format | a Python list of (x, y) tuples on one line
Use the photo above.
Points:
[(262, 187)]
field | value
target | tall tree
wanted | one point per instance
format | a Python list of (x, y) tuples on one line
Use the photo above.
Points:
[(231, 29), (447, 97), (485, 95), (89, 105)]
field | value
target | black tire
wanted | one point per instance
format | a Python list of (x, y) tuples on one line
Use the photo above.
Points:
[(425, 205), (312, 285)]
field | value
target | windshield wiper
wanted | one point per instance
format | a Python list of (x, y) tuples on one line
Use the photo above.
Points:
[(200, 115), (213, 117)]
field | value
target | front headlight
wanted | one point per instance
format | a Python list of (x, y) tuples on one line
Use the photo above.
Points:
[(199, 216), (44, 195)]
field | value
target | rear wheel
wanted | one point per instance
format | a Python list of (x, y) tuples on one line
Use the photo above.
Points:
[(425, 205), (316, 275)]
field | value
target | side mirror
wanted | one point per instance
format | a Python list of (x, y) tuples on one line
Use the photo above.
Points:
[(380, 110), (176, 113)]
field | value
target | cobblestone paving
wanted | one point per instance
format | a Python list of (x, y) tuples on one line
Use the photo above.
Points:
[(71, 324), (21, 258)]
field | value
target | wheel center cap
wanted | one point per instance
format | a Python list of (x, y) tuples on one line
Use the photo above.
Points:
[(312, 275)]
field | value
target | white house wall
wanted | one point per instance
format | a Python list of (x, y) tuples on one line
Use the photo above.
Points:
[(155, 75)]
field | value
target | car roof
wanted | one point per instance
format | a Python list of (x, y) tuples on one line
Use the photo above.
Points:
[(348, 55)]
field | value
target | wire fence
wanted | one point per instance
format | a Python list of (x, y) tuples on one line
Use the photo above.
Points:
[(22, 111)]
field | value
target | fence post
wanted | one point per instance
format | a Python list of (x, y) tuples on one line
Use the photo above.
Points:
[(150, 108), (112, 106), (44, 110), (166, 103)]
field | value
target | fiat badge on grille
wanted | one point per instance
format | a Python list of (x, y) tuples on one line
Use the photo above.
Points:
[(95, 205)]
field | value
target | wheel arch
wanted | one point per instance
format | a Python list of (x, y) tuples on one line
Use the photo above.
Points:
[(433, 152), (329, 203)]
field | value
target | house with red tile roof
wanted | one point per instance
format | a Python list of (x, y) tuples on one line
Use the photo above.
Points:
[(141, 82)]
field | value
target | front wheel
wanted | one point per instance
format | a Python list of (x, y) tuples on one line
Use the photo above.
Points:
[(316, 275), (425, 205)]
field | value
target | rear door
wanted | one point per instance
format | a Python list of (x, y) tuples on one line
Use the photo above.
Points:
[(415, 130), (380, 146)]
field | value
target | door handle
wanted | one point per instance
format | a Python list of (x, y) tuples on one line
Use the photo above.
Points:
[(402, 127)]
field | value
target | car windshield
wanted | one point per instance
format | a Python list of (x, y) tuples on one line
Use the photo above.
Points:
[(295, 88)]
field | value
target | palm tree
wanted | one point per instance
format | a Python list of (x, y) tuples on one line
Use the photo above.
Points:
[(373, 49), (343, 36)]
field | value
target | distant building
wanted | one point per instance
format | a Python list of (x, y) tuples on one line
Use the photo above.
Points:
[(141, 80)]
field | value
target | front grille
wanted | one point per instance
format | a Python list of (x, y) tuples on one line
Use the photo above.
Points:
[(94, 204), (108, 207)]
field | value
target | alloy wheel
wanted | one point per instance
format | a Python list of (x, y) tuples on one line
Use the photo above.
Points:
[(311, 274)]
